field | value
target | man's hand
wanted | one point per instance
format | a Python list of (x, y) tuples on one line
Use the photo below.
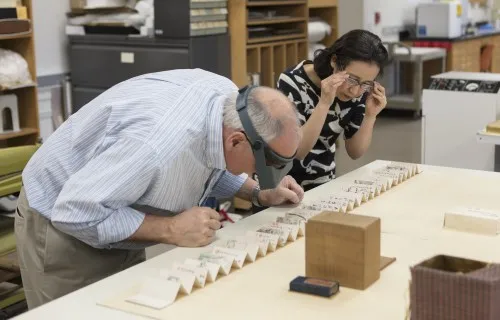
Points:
[(376, 101), (194, 228), (288, 191)]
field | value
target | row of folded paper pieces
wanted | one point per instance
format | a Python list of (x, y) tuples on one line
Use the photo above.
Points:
[(161, 290), (353, 194)]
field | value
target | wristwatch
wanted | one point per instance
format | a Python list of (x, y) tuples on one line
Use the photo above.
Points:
[(255, 196)]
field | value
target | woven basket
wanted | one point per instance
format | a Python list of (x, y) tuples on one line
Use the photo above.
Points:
[(451, 288)]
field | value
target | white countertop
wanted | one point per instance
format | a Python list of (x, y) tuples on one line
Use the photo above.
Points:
[(411, 216)]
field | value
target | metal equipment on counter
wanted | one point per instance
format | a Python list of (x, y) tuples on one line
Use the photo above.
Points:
[(408, 73), (455, 106)]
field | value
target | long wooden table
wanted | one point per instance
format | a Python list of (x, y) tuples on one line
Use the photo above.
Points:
[(412, 230)]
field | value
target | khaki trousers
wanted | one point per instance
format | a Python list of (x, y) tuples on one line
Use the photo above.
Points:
[(54, 264)]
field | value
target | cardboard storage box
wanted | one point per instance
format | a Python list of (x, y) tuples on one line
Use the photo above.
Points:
[(451, 288)]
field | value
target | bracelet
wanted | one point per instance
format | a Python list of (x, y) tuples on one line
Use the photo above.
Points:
[(255, 196)]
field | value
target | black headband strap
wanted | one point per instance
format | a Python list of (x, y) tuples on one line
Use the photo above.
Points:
[(241, 107)]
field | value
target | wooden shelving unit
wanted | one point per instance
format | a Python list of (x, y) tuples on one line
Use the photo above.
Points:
[(23, 44), (258, 3), (270, 60), (266, 38), (327, 11)]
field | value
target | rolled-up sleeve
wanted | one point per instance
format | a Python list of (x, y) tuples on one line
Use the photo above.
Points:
[(94, 204), (228, 185)]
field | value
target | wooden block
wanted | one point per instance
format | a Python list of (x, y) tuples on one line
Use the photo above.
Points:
[(493, 127), (343, 248), (474, 220)]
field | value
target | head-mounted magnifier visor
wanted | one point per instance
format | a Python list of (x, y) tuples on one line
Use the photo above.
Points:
[(271, 167)]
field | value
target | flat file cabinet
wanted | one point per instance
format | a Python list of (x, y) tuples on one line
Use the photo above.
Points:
[(99, 62)]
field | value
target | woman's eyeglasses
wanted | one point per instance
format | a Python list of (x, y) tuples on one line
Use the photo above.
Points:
[(366, 87)]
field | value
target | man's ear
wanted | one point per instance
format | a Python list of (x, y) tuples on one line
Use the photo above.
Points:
[(235, 139)]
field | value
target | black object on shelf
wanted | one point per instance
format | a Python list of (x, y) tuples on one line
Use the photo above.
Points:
[(175, 18), (110, 30)]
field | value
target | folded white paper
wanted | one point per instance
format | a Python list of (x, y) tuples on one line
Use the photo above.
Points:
[(343, 201), (249, 245), (156, 293), (323, 205), (365, 191), (281, 233), (212, 268), (238, 256), (403, 171), (265, 239), (185, 279), (294, 220), (396, 176), (292, 230), (200, 273), (383, 181), (374, 187), (410, 167), (302, 213), (474, 220), (225, 262), (356, 198)]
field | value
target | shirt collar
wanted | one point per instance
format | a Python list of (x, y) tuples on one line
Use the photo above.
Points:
[(215, 147)]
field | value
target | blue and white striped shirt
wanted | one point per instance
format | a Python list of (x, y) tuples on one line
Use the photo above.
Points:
[(153, 142)]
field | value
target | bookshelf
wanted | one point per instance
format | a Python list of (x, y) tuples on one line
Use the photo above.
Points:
[(266, 38), (23, 43), (327, 11)]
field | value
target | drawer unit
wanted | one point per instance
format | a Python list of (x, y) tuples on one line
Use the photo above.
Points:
[(103, 66), (99, 62), (82, 96)]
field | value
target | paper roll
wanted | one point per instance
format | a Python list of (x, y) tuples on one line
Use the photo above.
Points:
[(318, 30), (312, 49)]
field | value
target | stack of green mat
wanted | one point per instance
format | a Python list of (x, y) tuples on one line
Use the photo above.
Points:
[(7, 239), (12, 163)]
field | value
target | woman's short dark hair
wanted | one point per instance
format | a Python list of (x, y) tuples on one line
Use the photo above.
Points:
[(355, 45)]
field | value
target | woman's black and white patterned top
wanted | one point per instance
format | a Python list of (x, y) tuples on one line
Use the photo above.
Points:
[(318, 166)]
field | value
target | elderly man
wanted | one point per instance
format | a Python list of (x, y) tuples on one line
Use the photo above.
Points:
[(133, 168)]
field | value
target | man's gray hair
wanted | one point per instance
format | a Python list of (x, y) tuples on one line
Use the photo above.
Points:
[(267, 127)]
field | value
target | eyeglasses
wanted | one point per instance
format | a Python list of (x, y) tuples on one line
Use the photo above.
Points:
[(366, 87), (352, 82)]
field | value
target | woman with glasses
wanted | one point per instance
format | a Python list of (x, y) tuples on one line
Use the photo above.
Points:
[(334, 94)]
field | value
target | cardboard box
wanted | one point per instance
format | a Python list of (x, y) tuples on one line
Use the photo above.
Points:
[(452, 288), (344, 248)]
